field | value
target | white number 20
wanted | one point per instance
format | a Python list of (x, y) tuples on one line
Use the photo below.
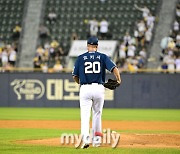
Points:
[(92, 67)]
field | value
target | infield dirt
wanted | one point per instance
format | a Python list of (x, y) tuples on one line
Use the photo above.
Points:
[(126, 139)]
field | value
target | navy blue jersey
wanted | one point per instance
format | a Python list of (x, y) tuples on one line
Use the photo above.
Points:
[(91, 67)]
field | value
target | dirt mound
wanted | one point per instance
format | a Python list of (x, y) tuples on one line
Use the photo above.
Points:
[(126, 140)]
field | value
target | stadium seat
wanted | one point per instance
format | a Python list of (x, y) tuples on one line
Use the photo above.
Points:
[(71, 14), (11, 12)]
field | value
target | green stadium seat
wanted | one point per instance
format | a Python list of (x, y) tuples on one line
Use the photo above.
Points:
[(71, 14), (11, 12)]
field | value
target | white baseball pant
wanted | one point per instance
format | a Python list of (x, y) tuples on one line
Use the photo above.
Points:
[(91, 96)]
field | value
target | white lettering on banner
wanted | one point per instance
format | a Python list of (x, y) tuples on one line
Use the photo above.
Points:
[(80, 46), (56, 89), (67, 90), (30, 88), (72, 88)]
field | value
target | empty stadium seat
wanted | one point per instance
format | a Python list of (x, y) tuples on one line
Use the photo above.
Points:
[(71, 14), (11, 12)]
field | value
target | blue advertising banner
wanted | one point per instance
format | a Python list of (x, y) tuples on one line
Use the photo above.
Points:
[(59, 90)]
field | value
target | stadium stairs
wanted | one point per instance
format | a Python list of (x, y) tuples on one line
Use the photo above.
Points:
[(30, 36), (166, 16)]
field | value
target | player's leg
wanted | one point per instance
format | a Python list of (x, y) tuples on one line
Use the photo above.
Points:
[(85, 107), (96, 118), (97, 108), (85, 118)]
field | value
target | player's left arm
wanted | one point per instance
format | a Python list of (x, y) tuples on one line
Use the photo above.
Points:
[(117, 74), (110, 65)]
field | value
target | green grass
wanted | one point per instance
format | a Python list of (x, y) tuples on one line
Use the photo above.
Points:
[(59, 150), (9, 136), (74, 114), (9, 147), (23, 134)]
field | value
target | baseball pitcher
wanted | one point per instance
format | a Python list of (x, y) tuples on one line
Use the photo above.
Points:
[(89, 72)]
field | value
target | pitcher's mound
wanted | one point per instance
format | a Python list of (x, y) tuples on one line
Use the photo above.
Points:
[(126, 140)]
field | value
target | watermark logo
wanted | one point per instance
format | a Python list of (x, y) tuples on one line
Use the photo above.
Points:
[(108, 138), (31, 89)]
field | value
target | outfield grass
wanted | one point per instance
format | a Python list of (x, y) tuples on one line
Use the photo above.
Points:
[(24, 149), (9, 136), (9, 147), (74, 114)]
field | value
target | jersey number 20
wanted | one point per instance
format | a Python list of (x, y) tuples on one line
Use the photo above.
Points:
[(92, 67)]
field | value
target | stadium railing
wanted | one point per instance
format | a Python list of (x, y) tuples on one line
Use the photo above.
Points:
[(69, 70)]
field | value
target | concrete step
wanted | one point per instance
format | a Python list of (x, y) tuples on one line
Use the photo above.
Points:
[(30, 35)]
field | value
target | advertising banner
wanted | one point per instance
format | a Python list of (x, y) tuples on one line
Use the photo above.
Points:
[(59, 90), (80, 46)]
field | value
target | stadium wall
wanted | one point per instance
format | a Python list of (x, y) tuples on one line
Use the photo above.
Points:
[(58, 90)]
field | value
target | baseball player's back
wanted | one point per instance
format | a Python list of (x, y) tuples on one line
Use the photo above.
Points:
[(89, 72), (91, 67)]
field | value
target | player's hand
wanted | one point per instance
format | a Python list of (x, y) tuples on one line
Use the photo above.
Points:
[(112, 84), (119, 82)]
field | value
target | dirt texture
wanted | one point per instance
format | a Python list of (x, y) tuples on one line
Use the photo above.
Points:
[(126, 139), (75, 125)]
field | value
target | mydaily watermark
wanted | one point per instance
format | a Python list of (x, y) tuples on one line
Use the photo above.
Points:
[(108, 138)]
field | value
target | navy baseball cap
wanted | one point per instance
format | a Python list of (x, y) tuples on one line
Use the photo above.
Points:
[(92, 40)]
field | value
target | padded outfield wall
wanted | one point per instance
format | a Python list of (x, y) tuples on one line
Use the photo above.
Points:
[(59, 90)]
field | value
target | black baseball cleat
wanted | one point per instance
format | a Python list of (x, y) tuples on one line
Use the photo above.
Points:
[(85, 146)]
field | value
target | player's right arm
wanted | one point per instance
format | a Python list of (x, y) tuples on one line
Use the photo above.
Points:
[(76, 79), (75, 72)]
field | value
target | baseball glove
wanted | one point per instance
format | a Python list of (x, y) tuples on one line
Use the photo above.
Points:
[(111, 84)]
